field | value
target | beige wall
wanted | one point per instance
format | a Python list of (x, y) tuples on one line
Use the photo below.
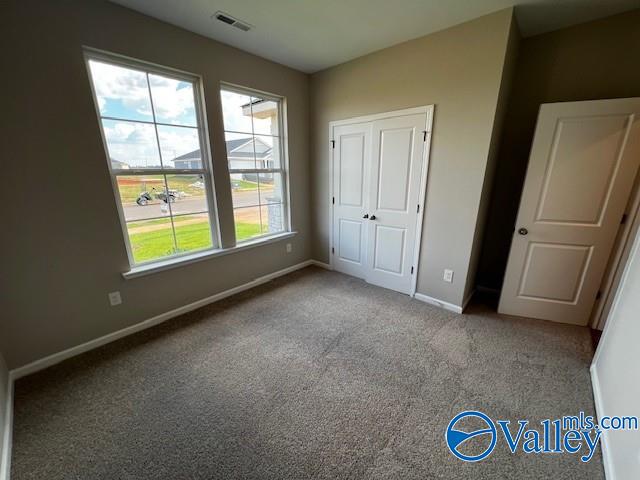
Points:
[(62, 244), (511, 57), (460, 71), (595, 60)]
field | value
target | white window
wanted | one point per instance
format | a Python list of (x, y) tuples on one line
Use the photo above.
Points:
[(254, 135), (153, 129)]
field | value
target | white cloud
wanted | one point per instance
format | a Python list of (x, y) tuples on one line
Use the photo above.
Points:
[(132, 143), (117, 83), (177, 141), (173, 100)]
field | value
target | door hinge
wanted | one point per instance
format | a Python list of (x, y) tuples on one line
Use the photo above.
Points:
[(424, 135), (598, 295), (333, 144), (411, 270), (623, 220), (418, 209), (333, 250), (333, 200)]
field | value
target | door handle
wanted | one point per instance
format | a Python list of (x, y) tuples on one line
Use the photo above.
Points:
[(373, 217), (523, 231), (366, 215)]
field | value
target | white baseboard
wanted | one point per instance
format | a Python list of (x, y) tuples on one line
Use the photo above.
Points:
[(163, 317), (7, 433), (320, 264), (439, 303), (597, 398), (468, 299)]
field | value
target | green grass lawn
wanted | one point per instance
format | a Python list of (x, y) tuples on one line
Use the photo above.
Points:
[(246, 230), (159, 221), (244, 185), (197, 236)]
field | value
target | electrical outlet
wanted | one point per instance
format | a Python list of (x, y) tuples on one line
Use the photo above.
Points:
[(448, 275), (289, 248), (115, 299)]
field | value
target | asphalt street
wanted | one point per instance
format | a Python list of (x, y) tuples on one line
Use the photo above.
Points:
[(133, 211)]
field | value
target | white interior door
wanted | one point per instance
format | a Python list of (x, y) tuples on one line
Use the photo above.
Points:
[(396, 166), (351, 161), (379, 170), (583, 163)]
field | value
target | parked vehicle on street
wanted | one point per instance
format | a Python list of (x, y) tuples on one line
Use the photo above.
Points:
[(167, 196)]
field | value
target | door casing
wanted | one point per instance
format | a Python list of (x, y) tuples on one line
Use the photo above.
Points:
[(428, 111), (618, 260)]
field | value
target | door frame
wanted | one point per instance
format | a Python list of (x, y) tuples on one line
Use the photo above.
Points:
[(618, 260), (428, 111)]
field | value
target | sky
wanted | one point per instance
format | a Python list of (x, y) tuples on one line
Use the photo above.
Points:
[(123, 94)]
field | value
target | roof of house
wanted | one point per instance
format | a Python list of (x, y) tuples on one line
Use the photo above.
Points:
[(117, 162), (234, 150), (195, 155)]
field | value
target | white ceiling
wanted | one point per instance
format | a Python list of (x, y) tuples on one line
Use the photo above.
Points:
[(311, 35)]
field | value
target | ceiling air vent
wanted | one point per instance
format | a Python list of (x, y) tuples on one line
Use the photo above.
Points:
[(234, 22)]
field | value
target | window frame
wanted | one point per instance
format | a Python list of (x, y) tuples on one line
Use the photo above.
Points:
[(283, 170), (206, 169)]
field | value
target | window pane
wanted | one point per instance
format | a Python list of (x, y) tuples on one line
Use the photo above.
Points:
[(247, 222), (187, 194), (252, 146), (151, 239), (267, 152), (240, 151), (131, 145), (265, 116), (193, 232), (272, 218), (180, 147), (244, 190), (271, 188), (150, 121), (141, 196), (121, 92), (173, 101), (236, 111)]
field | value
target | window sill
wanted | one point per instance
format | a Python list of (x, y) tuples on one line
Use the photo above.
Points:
[(206, 255)]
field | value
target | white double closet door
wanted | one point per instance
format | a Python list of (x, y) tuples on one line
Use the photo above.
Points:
[(379, 175)]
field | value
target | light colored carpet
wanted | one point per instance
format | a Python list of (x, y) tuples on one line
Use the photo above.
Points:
[(314, 375)]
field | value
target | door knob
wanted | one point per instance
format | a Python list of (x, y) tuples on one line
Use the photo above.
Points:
[(523, 231), (366, 215), (373, 217)]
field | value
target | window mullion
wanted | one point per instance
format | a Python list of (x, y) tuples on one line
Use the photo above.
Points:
[(147, 122), (156, 171), (255, 170), (173, 226), (255, 163), (155, 125), (164, 175)]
